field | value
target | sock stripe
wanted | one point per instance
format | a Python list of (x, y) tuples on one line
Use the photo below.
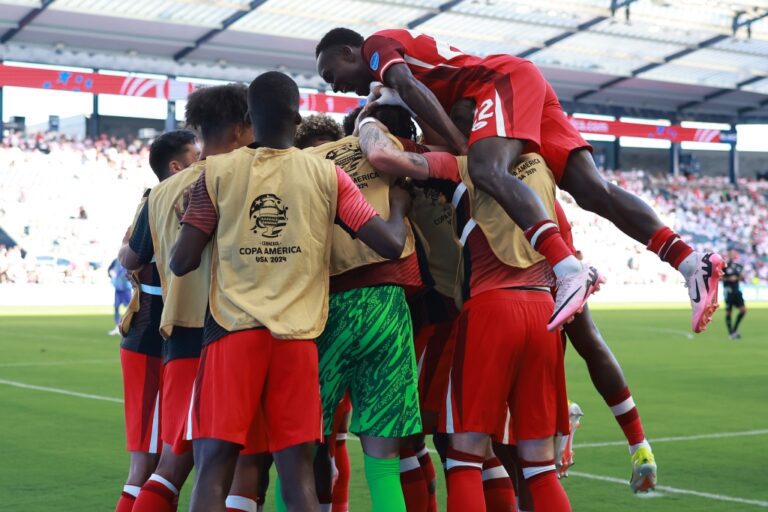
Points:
[(241, 503), (133, 490), (341, 436), (540, 231), (668, 246), (533, 471), (494, 473), (159, 479), (422, 452), (623, 407), (409, 464), (453, 463)]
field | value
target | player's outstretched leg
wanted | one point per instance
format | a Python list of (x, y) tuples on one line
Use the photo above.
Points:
[(608, 379), (489, 162), (638, 220)]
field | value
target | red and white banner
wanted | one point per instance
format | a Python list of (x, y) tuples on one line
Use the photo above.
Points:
[(169, 89), (75, 81), (673, 133)]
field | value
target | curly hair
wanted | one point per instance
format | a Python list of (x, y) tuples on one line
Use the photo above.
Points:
[(212, 110), (317, 125)]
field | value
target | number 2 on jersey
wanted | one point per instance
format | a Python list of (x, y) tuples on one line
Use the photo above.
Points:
[(482, 113)]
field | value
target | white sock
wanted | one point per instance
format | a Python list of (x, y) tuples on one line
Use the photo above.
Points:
[(633, 448), (569, 265), (241, 503), (689, 264), (325, 507), (133, 490)]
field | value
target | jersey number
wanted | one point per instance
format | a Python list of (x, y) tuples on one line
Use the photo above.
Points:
[(481, 114)]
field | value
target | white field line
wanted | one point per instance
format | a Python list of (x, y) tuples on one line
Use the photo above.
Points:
[(675, 490), (57, 363), (714, 435), (662, 488), (60, 391)]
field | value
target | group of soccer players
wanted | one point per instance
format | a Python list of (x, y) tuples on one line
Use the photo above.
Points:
[(293, 284)]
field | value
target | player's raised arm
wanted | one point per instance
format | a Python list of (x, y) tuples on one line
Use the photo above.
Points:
[(386, 157), (424, 103)]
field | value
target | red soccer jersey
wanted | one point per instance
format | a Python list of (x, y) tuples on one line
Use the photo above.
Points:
[(444, 69)]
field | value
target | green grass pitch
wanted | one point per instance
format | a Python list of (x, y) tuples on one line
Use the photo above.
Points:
[(63, 452)]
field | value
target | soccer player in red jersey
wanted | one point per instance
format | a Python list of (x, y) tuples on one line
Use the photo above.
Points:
[(517, 112), (141, 346), (269, 209)]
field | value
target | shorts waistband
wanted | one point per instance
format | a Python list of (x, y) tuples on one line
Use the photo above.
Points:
[(518, 294)]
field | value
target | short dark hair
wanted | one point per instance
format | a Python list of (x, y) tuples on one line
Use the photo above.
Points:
[(397, 120), (168, 147), (317, 125), (339, 37), (212, 110), (273, 97), (349, 120)]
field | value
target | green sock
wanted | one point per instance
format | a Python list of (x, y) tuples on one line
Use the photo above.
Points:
[(279, 502), (383, 476)]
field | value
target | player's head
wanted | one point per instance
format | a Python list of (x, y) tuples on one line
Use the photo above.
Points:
[(397, 120), (349, 121), (173, 151), (273, 106), (340, 63), (463, 115), (316, 130), (733, 255), (219, 114)]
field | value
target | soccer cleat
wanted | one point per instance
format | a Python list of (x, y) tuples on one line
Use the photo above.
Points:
[(564, 455), (643, 470), (573, 291), (114, 332), (702, 289), (735, 335)]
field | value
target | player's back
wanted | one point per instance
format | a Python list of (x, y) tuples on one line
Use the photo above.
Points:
[(445, 69)]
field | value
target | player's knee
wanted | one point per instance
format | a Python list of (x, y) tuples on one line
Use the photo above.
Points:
[(484, 171), (536, 449)]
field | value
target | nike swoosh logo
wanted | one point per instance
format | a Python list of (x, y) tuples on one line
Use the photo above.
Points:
[(698, 294), (561, 307)]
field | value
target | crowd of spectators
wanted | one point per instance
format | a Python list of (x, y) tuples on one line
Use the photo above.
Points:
[(66, 203)]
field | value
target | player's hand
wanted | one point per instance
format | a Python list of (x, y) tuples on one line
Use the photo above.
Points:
[(399, 199)]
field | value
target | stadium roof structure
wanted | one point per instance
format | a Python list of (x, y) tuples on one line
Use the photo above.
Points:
[(686, 59)]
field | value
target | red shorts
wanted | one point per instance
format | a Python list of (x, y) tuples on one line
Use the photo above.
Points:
[(249, 382), (518, 103), (142, 379), (506, 360), (178, 378), (434, 344)]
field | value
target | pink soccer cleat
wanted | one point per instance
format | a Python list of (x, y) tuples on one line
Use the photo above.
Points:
[(573, 291), (702, 289)]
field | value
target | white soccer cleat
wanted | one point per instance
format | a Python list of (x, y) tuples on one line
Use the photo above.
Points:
[(573, 290), (702, 289), (114, 332), (564, 456)]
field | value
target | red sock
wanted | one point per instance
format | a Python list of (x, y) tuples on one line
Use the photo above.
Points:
[(236, 503), (412, 480), (497, 487), (669, 246), (155, 497), (545, 238), (127, 498), (425, 461), (341, 488), (548, 494), (623, 407), (465, 482)]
